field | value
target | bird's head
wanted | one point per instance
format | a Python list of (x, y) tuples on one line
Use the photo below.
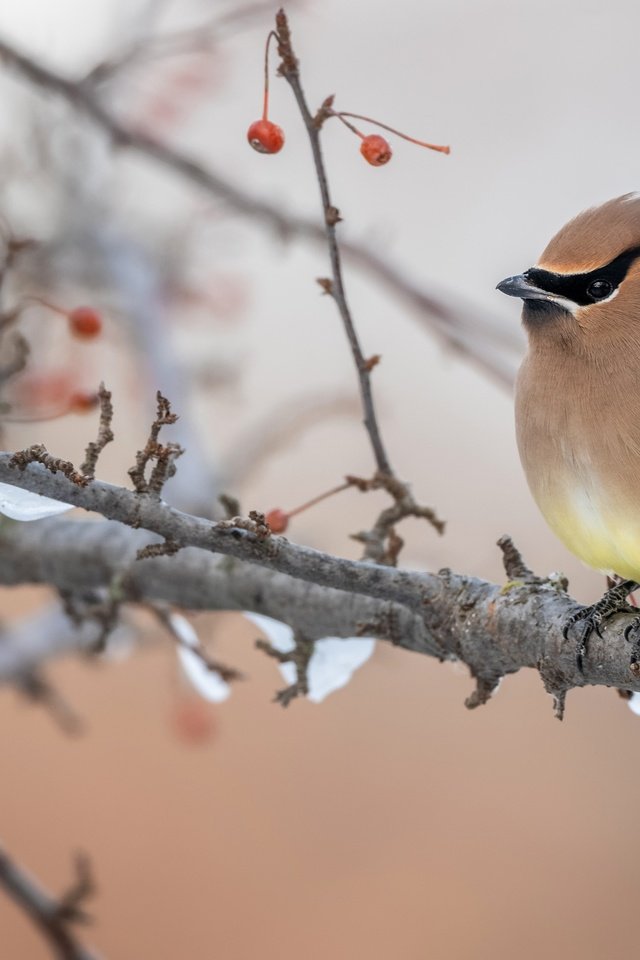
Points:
[(587, 280)]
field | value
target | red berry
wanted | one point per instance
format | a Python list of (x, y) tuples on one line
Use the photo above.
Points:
[(375, 150), (85, 322), (83, 402), (265, 137), (277, 520)]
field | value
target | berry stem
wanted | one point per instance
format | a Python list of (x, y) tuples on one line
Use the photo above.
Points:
[(351, 127), (318, 499), (48, 305), (357, 116), (265, 109)]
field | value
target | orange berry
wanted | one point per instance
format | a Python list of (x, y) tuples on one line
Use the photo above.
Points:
[(265, 136), (85, 322), (277, 520), (83, 402), (375, 150)]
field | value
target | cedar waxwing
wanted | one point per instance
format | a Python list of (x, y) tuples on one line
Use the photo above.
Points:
[(578, 394)]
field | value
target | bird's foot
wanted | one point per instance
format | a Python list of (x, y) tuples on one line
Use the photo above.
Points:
[(591, 618), (632, 635)]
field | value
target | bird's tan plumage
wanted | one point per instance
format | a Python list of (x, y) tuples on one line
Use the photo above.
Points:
[(578, 394), (595, 236)]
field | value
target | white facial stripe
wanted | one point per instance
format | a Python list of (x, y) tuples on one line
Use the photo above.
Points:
[(569, 304)]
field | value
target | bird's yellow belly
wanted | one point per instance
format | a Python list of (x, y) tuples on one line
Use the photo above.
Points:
[(604, 535)]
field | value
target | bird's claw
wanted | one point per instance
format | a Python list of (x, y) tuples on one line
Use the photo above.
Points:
[(592, 618), (632, 636)]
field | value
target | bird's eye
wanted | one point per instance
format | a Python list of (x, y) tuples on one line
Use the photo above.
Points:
[(600, 289)]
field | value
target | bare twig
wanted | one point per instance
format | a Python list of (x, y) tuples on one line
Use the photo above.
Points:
[(382, 543), (164, 454), (514, 566), (165, 549), (54, 917), (290, 71), (300, 657), (38, 453), (105, 433), (164, 616)]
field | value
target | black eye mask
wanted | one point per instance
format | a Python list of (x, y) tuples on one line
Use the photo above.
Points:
[(585, 288)]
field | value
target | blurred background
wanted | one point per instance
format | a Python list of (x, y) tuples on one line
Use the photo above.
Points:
[(389, 820)]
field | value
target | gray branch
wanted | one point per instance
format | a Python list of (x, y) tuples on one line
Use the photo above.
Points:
[(494, 630)]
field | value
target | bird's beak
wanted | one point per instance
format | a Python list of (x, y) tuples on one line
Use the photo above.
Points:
[(520, 286)]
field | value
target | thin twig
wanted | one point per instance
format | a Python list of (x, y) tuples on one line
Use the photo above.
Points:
[(300, 657), (105, 433), (290, 71), (38, 453), (164, 454), (382, 543), (167, 619)]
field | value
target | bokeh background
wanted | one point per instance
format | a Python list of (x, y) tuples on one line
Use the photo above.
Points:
[(388, 821)]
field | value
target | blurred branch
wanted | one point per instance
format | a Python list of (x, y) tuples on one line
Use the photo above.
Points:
[(495, 630), (283, 424), (467, 331), (30, 641), (203, 37), (54, 917)]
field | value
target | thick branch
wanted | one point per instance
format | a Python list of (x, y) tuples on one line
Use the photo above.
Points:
[(140, 510), (494, 630)]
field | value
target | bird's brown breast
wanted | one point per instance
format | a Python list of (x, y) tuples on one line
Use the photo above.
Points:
[(578, 431)]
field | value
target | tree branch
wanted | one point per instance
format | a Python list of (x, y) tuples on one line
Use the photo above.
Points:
[(494, 630), (54, 917), (381, 543), (335, 287)]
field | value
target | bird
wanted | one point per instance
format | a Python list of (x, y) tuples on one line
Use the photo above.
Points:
[(577, 398)]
